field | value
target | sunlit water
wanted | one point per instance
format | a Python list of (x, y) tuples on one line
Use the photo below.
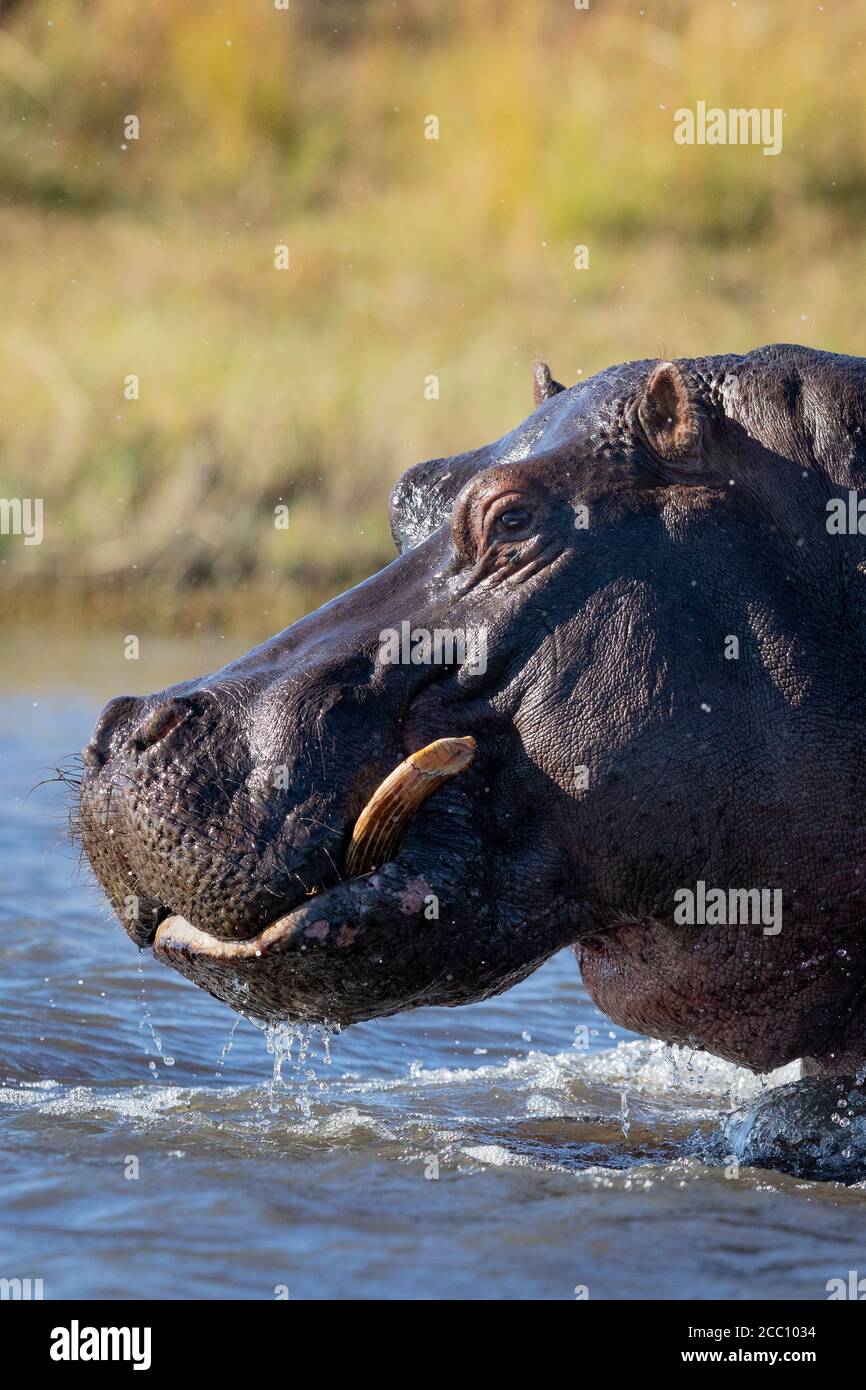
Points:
[(155, 1145)]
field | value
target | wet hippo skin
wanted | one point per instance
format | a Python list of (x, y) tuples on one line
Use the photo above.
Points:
[(666, 567)]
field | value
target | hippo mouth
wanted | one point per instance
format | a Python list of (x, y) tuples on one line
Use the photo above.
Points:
[(374, 844)]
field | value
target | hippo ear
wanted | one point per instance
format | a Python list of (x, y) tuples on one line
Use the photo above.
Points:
[(668, 414), (543, 384)]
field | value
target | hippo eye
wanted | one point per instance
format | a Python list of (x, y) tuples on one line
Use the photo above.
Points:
[(513, 520)]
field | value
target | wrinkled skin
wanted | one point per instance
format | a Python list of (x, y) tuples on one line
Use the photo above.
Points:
[(705, 484)]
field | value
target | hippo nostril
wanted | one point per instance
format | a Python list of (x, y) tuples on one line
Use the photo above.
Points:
[(93, 757), (118, 709), (159, 723)]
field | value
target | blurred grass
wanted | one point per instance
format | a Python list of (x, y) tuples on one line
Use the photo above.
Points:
[(409, 257)]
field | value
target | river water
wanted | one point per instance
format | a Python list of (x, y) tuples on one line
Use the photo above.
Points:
[(154, 1145)]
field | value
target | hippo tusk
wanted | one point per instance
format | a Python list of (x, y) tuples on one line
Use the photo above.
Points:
[(393, 804), (374, 839)]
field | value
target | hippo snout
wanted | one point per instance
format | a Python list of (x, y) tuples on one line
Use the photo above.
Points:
[(119, 712)]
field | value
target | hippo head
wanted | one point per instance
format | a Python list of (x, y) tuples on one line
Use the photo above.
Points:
[(632, 615)]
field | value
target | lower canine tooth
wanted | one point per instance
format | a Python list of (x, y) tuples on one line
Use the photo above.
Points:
[(391, 807)]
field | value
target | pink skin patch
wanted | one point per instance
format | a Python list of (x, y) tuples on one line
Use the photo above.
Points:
[(413, 895), (346, 936), (318, 930)]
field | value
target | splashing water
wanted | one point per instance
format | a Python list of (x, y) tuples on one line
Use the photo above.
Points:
[(146, 1024), (281, 1040), (625, 1117), (227, 1045)]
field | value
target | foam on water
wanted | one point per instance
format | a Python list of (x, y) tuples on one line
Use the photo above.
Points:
[(539, 1086)]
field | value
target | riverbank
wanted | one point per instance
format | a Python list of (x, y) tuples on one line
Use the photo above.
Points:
[(277, 291)]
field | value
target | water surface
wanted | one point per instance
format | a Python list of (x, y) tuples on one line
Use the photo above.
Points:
[(519, 1148)]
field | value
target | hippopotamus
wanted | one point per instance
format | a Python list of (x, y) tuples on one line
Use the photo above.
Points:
[(632, 632)]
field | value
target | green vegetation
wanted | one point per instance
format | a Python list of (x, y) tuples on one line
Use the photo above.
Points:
[(409, 257)]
